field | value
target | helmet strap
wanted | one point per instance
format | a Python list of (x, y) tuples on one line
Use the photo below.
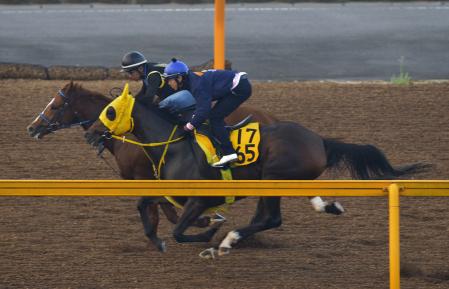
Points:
[(145, 72), (179, 82), (143, 75)]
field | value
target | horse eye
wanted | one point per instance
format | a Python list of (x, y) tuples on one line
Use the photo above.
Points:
[(52, 107)]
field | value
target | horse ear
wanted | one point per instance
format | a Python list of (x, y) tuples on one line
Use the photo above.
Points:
[(68, 86), (71, 85)]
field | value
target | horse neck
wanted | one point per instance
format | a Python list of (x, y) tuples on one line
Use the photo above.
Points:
[(151, 126), (88, 106), (183, 160)]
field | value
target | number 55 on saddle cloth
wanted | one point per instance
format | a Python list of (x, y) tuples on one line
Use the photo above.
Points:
[(245, 141)]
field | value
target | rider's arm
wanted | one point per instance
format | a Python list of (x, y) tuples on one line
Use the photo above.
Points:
[(203, 95), (154, 83)]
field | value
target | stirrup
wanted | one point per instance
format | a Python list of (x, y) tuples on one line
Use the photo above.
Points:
[(225, 160)]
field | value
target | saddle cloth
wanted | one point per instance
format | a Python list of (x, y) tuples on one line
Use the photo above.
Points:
[(245, 141)]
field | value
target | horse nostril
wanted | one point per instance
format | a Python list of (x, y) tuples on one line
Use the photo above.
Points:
[(30, 129)]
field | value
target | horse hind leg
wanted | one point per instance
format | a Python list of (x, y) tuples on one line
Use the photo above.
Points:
[(260, 212), (268, 216), (334, 208), (319, 205)]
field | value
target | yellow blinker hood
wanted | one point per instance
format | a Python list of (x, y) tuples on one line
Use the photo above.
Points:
[(117, 115)]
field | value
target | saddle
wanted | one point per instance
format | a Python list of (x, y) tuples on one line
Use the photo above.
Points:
[(185, 115)]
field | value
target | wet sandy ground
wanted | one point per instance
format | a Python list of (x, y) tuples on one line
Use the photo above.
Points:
[(82, 242)]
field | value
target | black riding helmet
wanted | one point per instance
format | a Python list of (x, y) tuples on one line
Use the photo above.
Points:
[(132, 60)]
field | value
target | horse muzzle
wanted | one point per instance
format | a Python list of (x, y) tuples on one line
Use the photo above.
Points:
[(37, 132)]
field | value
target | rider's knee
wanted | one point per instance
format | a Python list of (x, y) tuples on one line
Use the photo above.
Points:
[(216, 120)]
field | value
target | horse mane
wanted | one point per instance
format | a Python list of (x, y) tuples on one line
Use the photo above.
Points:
[(73, 88), (76, 89), (154, 108)]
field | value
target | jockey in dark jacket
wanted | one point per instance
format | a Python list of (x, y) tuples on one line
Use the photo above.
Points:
[(139, 69), (228, 88)]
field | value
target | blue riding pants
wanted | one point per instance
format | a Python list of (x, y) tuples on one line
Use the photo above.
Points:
[(178, 101), (224, 107)]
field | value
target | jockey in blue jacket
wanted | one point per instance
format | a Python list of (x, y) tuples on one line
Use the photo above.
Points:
[(228, 88)]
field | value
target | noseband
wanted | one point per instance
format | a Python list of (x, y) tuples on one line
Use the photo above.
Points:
[(54, 124)]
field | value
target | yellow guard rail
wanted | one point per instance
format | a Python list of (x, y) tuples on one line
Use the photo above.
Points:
[(392, 189)]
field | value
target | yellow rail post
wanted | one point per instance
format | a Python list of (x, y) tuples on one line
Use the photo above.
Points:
[(219, 34), (395, 276)]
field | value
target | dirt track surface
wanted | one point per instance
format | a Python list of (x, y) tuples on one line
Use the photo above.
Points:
[(99, 243)]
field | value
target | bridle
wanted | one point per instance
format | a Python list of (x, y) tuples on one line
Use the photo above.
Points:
[(54, 124)]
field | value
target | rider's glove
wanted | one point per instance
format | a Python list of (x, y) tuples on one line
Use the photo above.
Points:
[(188, 127)]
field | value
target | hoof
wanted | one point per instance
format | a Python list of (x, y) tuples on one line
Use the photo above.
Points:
[(217, 225), (217, 219), (334, 208), (224, 251), (208, 253), (161, 247)]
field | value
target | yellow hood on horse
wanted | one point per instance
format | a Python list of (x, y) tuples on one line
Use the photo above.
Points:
[(117, 115)]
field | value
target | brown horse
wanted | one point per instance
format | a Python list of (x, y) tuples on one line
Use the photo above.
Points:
[(288, 151), (77, 106)]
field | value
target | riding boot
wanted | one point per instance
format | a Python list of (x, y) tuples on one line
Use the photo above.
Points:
[(226, 159)]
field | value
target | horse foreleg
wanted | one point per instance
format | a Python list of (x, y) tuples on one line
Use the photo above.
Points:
[(233, 236), (192, 211), (328, 207), (172, 216), (268, 216), (170, 212), (149, 214)]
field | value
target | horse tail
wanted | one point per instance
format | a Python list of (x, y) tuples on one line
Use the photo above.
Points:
[(366, 161)]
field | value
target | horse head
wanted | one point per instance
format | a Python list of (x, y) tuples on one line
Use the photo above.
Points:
[(114, 119), (69, 107)]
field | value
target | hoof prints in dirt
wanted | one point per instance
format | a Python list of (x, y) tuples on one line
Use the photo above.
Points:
[(413, 271), (50, 242)]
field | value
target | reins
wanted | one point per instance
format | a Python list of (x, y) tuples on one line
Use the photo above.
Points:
[(155, 144), (81, 123), (156, 170)]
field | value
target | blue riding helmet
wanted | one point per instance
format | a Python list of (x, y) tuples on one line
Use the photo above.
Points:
[(175, 68)]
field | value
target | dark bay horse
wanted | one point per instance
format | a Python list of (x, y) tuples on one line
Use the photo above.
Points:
[(288, 151), (77, 106)]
